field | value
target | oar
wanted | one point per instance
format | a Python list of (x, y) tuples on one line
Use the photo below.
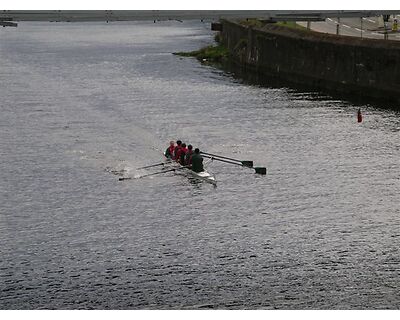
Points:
[(153, 174), (245, 163), (259, 170), (153, 165), (148, 175)]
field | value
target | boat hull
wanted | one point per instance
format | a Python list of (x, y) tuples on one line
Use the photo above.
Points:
[(203, 175)]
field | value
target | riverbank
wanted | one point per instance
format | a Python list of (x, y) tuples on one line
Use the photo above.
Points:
[(284, 53), (343, 65)]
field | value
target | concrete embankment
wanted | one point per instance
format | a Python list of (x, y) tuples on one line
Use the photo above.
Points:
[(364, 68)]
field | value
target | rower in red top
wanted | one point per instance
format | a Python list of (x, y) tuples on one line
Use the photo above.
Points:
[(181, 154), (176, 150), (169, 153), (188, 156)]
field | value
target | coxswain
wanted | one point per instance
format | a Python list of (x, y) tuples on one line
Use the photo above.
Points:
[(169, 153), (188, 156), (176, 150), (197, 161), (181, 154)]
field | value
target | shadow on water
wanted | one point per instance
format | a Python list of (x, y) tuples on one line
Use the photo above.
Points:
[(250, 76)]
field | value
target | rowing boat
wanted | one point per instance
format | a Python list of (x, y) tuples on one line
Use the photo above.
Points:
[(203, 175)]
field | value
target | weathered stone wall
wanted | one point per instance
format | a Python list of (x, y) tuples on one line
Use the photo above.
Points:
[(361, 67)]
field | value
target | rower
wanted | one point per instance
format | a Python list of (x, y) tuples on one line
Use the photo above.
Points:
[(188, 156), (169, 153), (197, 161), (176, 150), (181, 154)]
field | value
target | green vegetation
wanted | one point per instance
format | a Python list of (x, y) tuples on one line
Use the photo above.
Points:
[(252, 23), (216, 53), (290, 24), (259, 24)]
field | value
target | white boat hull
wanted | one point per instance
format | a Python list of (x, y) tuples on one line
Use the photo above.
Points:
[(204, 175)]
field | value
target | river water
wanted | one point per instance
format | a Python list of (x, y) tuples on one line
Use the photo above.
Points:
[(82, 103)]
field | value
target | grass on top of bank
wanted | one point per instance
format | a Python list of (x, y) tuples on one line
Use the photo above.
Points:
[(213, 53), (259, 24), (290, 24)]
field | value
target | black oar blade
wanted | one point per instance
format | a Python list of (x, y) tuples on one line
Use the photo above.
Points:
[(247, 163), (261, 170), (125, 178)]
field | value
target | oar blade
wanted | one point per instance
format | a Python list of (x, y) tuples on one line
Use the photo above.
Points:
[(125, 178), (261, 170)]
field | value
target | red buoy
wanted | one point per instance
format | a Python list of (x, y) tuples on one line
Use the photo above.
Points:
[(359, 116)]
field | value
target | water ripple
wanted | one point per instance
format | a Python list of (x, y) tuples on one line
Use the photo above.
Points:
[(320, 231)]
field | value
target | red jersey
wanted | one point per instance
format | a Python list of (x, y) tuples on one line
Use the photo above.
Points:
[(180, 157), (188, 157), (169, 153), (176, 151)]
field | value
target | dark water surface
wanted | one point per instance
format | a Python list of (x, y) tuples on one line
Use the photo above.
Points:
[(80, 102)]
